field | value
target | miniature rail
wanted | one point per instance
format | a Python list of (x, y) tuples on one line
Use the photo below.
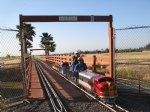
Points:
[(106, 107), (53, 98)]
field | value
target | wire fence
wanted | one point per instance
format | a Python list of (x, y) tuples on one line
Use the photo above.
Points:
[(132, 59), (11, 77)]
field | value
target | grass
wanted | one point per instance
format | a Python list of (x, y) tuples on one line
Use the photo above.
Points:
[(10, 60), (127, 55), (40, 57), (133, 71), (11, 85)]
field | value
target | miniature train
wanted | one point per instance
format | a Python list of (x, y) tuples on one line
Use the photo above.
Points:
[(100, 85)]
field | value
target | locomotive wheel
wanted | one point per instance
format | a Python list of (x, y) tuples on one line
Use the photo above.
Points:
[(95, 95)]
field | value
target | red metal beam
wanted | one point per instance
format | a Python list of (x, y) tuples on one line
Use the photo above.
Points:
[(36, 49), (63, 18), (73, 18), (110, 38)]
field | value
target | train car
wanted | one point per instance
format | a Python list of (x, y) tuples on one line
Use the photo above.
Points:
[(102, 86)]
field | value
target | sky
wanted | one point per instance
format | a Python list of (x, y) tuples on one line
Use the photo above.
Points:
[(71, 36)]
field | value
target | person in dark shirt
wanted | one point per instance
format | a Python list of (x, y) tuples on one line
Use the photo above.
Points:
[(65, 68), (74, 62), (75, 59), (81, 66)]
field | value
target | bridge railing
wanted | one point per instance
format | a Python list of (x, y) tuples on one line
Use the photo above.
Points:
[(95, 63)]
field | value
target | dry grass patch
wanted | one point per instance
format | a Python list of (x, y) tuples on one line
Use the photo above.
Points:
[(127, 55), (10, 60)]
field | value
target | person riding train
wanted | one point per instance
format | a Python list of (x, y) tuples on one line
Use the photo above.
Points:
[(65, 68), (81, 66), (75, 60)]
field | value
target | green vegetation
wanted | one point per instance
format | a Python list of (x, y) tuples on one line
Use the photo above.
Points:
[(147, 47), (8, 59), (127, 55), (133, 73), (90, 67), (141, 49), (95, 51), (12, 85), (11, 74), (29, 33), (8, 56), (47, 43), (126, 73), (101, 70)]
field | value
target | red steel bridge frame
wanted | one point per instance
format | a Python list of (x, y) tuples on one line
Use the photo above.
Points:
[(69, 18)]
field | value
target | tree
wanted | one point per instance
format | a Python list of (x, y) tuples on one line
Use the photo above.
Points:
[(106, 50), (47, 43), (29, 33), (147, 47), (8, 56)]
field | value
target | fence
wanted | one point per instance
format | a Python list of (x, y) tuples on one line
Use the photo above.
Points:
[(11, 75), (95, 63), (132, 59)]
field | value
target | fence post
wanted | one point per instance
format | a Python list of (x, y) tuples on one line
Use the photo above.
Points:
[(114, 47), (110, 36), (23, 54), (94, 64), (139, 85)]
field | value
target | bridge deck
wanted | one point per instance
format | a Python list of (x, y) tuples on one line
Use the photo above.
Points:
[(35, 90)]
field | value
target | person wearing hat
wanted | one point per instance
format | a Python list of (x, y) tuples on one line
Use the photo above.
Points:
[(65, 68), (74, 61), (81, 66)]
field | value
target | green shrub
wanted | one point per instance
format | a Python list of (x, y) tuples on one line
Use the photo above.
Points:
[(90, 67), (102, 70), (126, 73)]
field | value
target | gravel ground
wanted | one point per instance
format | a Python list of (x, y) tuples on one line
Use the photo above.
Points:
[(33, 106), (43, 106), (134, 103), (130, 99)]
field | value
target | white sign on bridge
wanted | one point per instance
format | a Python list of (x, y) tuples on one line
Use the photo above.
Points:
[(68, 18)]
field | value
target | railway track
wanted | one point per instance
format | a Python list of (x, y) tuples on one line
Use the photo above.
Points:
[(55, 101), (105, 107)]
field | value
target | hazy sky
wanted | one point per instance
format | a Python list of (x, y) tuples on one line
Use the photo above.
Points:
[(71, 36)]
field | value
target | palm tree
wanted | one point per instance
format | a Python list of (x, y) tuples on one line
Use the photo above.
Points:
[(47, 43), (29, 33)]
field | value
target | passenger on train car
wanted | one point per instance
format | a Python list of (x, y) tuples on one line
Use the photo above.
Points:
[(74, 61), (60, 67), (65, 68), (81, 66)]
